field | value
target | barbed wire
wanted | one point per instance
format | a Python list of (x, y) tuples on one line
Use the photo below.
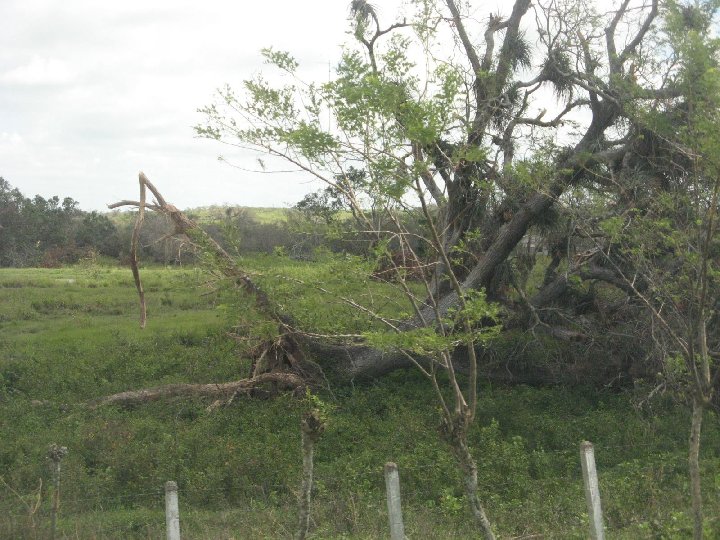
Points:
[(663, 459), (413, 471)]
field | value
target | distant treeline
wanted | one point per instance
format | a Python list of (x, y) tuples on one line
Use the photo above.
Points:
[(40, 232), (49, 232)]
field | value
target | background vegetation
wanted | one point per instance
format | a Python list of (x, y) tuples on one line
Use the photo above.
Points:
[(70, 335), (593, 264)]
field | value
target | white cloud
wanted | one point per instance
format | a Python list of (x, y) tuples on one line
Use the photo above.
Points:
[(10, 139), (39, 71), (91, 92)]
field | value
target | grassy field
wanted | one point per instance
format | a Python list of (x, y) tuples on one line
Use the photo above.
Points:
[(70, 335), (264, 216)]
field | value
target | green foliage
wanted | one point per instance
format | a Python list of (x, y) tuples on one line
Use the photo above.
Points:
[(422, 341), (368, 113), (666, 243), (238, 466), (474, 308), (281, 59), (49, 232)]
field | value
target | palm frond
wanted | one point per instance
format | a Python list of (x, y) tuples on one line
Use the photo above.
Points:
[(557, 70), (520, 50), (363, 11)]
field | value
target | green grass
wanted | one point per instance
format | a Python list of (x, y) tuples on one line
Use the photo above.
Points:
[(70, 335), (208, 215), (261, 215)]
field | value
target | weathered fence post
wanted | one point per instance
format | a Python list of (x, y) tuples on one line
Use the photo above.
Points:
[(312, 426), (55, 454), (392, 485), (592, 490), (172, 513)]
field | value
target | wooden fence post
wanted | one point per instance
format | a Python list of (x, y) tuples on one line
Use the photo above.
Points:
[(172, 513), (55, 454), (592, 490), (392, 485)]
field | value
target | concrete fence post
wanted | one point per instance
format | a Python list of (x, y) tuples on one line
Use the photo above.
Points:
[(392, 486), (172, 512), (592, 490)]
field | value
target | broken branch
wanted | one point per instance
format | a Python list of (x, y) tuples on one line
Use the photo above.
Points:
[(136, 397)]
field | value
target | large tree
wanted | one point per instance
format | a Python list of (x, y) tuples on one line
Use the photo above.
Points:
[(487, 123), (660, 237), (521, 132)]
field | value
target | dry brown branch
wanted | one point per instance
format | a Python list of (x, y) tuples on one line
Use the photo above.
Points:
[(129, 202), (183, 226), (133, 251), (135, 397)]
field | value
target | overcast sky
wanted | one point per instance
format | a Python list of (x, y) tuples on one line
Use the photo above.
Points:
[(92, 92)]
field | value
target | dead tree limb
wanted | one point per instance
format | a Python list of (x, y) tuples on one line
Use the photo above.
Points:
[(282, 355), (289, 381), (195, 236), (134, 248)]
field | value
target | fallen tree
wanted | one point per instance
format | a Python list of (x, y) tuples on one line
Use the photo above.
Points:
[(449, 147), (442, 141)]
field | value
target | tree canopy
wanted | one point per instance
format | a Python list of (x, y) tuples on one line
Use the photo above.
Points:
[(528, 137), (558, 160), (49, 231)]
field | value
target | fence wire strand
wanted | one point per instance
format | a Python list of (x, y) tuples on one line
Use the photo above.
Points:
[(152, 500)]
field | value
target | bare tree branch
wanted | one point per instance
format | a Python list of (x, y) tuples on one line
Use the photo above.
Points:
[(464, 38), (147, 395), (630, 47)]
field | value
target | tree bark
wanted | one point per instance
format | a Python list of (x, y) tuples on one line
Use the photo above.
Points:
[(348, 363), (694, 462), (470, 479), (308, 447), (312, 426)]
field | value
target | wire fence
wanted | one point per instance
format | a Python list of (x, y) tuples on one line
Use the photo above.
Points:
[(210, 511)]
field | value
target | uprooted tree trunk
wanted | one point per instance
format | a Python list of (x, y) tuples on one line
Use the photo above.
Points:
[(291, 352)]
